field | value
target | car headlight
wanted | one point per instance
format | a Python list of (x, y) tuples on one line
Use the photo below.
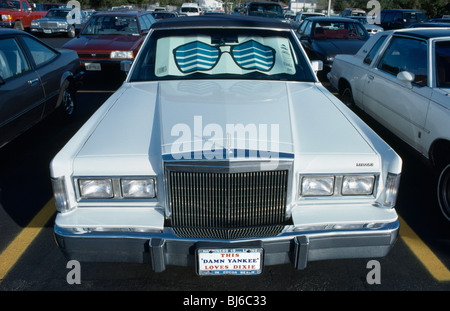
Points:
[(34, 24), (346, 185), (122, 54), (100, 188), (6, 17), (138, 188), (61, 24), (317, 185), (358, 185)]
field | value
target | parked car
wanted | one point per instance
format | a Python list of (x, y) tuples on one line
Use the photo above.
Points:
[(17, 14), (56, 21), (220, 149), (110, 37), (353, 12), (401, 78), (191, 9), (370, 27), (300, 17), (325, 37), (35, 80), (401, 18)]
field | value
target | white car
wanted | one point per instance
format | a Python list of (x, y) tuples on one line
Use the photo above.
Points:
[(223, 152), (401, 78)]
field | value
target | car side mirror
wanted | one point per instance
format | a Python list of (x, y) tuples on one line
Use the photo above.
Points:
[(406, 77), (317, 65), (125, 65)]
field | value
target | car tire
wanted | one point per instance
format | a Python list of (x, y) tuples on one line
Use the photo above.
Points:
[(71, 32), (443, 191), (18, 26), (67, 102), (347, 97)]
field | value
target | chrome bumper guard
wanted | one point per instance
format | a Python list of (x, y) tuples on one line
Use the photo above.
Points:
[(165, 249)]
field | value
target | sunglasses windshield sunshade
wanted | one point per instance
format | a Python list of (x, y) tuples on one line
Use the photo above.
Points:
[(199, 56)]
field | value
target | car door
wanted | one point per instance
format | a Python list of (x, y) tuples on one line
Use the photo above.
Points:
[(21, 92), (400, 107), (44, 59)]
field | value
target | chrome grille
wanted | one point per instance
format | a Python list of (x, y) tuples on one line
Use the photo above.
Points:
[(48, 24), (228, 205)]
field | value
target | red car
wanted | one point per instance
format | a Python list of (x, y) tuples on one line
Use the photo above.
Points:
[(110, 37)]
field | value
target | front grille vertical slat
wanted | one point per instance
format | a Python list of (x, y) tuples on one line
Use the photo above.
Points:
[(227, 205)]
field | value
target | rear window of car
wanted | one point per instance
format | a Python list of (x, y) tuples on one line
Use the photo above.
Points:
[(221, 54), (376, 47)]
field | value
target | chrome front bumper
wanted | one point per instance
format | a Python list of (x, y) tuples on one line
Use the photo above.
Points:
[(162, 249)]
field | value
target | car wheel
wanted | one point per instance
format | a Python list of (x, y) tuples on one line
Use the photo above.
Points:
[(66, 108), (18, 26), (443, 191), (347, 97), (71, 32)]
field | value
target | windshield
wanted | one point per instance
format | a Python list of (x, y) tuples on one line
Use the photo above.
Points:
[(111, 25), (9, 4), (221, 54), (57, 13), (412, 17), (265, 9), (442, 64), (339, 30)]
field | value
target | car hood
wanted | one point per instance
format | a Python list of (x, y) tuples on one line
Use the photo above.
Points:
[(207, 119), (339, 46), (51, 19), (103, 43)]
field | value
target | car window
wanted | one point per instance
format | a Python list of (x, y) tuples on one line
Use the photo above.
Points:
[(112, 25), (144, 23), (442, 55), (406, 54), (376, 47), (308, 28), (221, 54), (338, 30), (40, 53), (12, 59)]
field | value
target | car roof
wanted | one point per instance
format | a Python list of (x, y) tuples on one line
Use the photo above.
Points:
[(223, 20), (122, 13), (332, 19), (7, 31), (425, 33)]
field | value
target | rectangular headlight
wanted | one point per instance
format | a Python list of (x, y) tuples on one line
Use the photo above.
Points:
[(98, 188), (317, 185), (121, 54), (138, 188), (358, 185)]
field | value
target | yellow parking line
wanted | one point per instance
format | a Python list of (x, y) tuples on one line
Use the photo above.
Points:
[(434, 266), (18, 246)]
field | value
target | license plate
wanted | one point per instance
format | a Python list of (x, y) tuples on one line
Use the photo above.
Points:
[(93, 66), (47, 31), (239, 261)]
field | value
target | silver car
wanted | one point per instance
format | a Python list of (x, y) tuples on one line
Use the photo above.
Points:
[(59, 21)]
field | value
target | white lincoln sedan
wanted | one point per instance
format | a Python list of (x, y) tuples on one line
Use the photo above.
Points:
[(402, 79), (222, 151)]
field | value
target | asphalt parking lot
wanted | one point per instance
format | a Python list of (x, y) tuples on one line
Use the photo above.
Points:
[(30, 260)]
